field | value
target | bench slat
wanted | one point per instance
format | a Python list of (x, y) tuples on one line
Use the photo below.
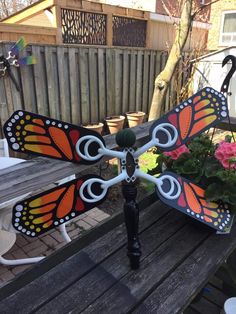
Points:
[(177, 291)]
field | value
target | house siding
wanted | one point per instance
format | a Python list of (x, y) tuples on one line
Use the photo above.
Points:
[(215, 19), (162, 36)]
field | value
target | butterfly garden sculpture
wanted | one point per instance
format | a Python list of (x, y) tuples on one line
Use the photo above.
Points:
[(14, 60), (35, 134)]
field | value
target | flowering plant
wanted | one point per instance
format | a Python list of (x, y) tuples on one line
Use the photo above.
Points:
[(212, 166)]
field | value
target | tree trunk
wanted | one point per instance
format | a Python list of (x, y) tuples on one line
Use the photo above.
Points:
[(162, 81)]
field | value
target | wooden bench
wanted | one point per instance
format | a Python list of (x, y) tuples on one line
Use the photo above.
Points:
[(92, 274)]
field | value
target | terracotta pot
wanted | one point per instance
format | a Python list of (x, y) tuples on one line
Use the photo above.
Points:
[(94, 126), (135, 118), (115, 123)]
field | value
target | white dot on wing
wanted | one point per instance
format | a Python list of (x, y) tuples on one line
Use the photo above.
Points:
[(19, 208), (15, 146), (223, 114)]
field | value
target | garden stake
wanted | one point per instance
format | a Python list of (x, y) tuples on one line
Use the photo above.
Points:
[(125, 139)]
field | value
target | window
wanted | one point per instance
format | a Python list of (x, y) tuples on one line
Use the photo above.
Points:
[(228, 28)]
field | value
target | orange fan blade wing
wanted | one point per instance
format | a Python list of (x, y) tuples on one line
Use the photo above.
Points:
[(42, 212), (193, 116), (191, 202), (32, 133)]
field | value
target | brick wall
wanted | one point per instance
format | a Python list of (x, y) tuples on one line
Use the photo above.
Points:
[(174, 7), (215, 20)]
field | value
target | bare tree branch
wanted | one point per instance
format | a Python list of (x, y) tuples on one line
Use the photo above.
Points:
[(162, 81), (167, 11), (200, 9), (8, 7)]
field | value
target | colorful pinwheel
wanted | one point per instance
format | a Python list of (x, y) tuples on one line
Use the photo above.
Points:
[(13, 59)]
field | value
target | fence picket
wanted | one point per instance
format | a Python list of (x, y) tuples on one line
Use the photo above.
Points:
[(93, 84), (139, 81), (74, 86), (84, 86), (132, 80), (110, 82), (101, 83), (40, 86), (63, 75), (151, 77), (125, 96), (52, 82), (145, 104)]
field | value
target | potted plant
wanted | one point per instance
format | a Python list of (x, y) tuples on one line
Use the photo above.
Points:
[(115, 123), (94, 126), (211, 166), (135, 118)]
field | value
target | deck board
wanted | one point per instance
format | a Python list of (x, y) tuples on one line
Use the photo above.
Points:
[(214, 295), (204, 306)]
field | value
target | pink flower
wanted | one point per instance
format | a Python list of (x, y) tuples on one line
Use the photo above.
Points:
[(226, 153), (174, 154)]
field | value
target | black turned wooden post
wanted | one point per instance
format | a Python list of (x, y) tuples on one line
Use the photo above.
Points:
[(126, 139), (131, 213)]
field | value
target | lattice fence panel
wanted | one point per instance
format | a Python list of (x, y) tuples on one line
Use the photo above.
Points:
[(129, 32), (80, 27)]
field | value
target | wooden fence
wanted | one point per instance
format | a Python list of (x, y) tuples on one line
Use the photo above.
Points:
[(82, 84)]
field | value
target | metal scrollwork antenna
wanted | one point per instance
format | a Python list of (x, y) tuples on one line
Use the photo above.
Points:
[(225, 85), (226, 82)]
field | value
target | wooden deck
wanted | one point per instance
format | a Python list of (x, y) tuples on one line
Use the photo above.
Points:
[(92, 275)]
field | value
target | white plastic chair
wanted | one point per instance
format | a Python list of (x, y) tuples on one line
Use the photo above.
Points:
[(230, 306), (4, 151), (7, 231)]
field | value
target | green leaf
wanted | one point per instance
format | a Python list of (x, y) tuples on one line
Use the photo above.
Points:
[(212, 166), (213, 192), (228, 138)]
